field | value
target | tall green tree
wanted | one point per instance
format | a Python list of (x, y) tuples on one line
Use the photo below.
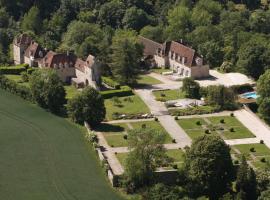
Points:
[(87, 107), (146, 154), (220, 96), (32, 21), (135, 19), (126, 55), (191, 88), (246, 181), (179, 19), (47, 90), (208, 167), (253, 58)]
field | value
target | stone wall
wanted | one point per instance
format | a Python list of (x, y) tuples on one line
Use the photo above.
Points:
[(199, 72)]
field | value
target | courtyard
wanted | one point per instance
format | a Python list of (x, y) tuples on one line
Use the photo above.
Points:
[(227, 127)]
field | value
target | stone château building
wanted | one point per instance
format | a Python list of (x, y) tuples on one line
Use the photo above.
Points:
[(176, 56), (68, 67)]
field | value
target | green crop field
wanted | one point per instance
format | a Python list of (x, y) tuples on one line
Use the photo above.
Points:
[(46, 157)]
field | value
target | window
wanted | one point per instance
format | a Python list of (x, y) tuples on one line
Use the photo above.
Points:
[(172, 54), (176, 56)]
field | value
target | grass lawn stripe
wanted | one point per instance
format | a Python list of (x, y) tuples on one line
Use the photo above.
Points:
[(45, 157)]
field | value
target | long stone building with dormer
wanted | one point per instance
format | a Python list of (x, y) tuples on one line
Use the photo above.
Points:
[(69, 68), (176, 56)]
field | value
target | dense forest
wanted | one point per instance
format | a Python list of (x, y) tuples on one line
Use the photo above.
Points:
[(232, 35)]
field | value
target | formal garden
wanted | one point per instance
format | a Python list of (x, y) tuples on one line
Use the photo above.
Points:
[(167, 95), (227, 127), (257, 154), (116, 134), (147, 80), (176, 157)]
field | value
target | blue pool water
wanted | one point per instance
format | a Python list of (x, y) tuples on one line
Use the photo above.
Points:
[(250, 95)]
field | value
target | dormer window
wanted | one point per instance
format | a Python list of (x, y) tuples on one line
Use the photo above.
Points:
[(172, 53)]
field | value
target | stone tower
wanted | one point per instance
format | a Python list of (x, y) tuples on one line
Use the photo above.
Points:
[(20, 44)]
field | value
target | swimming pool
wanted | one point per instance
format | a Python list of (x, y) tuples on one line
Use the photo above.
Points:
[(250, 95)]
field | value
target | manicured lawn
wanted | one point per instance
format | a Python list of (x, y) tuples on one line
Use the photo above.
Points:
[(240, 131), (153, 125), (191, 123), (147, 80), (122, 158), (176, 154), (114, 134), (71, 91), (216, 127), (129, 105), (167, 95), (260, 151), (46, 157), (17, 78), (160, 70)]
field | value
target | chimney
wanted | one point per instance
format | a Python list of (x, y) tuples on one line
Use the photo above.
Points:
[(181, 40), (67, 53)]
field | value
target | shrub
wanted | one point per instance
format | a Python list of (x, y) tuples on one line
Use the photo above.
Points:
[(236, 162), (173, 141), (156, 119), (207, 131), (30, 71), (143, 125), (222, 121), (125, 137), (175, 166), (252, 149), (16, 70), (200, 110), (232, 115), (163, 95), (263, 160), (111, 83), (231, 129), (24, 77), (176, 118), (198, 123), (15, 88), (261, 142), (123, 91), (239, 89)]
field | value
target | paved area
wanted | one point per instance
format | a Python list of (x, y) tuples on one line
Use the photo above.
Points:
[(216, 78), (167, 121), (255, 125), (243, 141), (227, 79), (107, 151)]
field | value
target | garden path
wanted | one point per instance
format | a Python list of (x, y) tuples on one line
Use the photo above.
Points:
[(255, 125), (167, 121)]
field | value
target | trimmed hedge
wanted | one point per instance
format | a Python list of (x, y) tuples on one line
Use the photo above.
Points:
[(16, 70), (111, 83), (123, 91), (15, 88), (239, 89), (194, 111)]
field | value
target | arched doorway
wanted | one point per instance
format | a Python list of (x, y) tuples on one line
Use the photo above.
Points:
[(86, 82)]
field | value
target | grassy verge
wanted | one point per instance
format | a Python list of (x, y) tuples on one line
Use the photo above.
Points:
[(38, 149), (130, 105), (167, 95)]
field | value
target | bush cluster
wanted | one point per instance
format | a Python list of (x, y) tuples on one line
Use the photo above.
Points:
[(16, 70), (111, 83), (123, 91), (194, 111), (15, 88)]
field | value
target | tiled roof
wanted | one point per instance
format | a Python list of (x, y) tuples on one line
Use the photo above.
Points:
[(150, 46), (183, 51), (23, 40), (34, 50), (80, 64), (53, 59)]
